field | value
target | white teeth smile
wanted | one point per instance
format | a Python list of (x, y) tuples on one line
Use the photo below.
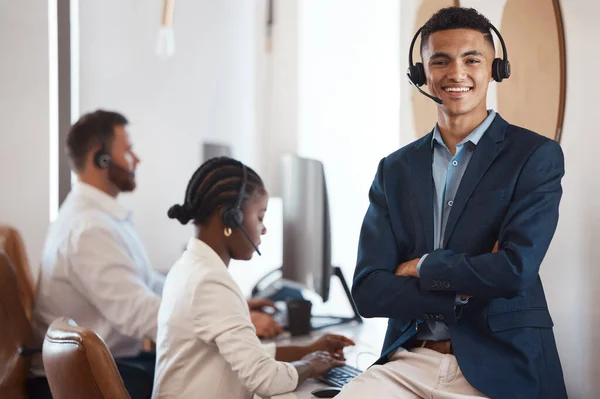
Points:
[(457, 89)]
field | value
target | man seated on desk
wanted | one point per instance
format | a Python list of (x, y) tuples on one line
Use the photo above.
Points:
[(95, 269), (451, 245)]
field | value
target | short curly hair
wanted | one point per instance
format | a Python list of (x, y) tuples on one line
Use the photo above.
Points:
[(456, 18)]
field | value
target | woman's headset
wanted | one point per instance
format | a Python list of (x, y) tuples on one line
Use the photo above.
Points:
[(232, 216)]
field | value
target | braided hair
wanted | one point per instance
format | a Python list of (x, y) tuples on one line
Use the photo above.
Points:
[(216, 183)]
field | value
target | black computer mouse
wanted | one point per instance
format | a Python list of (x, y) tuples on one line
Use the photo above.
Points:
[(328, 392)]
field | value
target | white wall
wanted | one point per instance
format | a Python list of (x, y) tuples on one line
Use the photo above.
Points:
[(24, 117), (349, 103), (329, 90), (206, 91), (277, 88), (570, 271)]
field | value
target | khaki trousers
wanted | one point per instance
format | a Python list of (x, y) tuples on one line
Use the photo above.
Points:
[(410, 374)]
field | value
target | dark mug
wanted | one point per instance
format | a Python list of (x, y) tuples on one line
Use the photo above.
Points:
[(298, 312)]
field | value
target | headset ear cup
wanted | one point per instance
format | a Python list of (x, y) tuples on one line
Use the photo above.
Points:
[(506, 69), (418, 72), (102, 159), (500, 69), (232, 217), (496, 70)]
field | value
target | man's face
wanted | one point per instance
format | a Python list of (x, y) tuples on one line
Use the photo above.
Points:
[(458, 65), (124, 161)]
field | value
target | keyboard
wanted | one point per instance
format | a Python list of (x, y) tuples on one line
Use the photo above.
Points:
[(339, 376)]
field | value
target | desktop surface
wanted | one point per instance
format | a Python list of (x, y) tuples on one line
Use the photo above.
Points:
[(368, 337)]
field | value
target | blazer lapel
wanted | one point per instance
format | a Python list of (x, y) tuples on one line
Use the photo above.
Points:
[(486, 151), (422, 182)]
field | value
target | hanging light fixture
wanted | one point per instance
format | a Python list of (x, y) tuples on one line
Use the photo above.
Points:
[(165, 45)]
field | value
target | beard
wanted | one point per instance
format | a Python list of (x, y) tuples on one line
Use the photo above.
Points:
[(121, 177)]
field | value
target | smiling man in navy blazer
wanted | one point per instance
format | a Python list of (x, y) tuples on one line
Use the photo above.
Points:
[(451, 245)]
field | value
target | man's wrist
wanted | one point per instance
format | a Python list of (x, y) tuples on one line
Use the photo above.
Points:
[(461, 299), (420, 263), (408, 269)]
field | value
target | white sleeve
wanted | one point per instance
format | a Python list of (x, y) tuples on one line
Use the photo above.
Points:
[(270, 348), (221, 316), (101, 269), (157, 282)]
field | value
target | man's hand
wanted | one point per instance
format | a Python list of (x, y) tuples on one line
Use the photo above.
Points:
[(334, 344), (408, 269), (266, 326), (259, 303)]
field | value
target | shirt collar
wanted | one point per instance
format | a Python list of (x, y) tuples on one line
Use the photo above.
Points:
[(201, 249), (473, 137), (101, 199)]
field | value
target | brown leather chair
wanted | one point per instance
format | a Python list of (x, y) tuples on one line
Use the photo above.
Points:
[(16, 336), (78, 364), (12, 244)]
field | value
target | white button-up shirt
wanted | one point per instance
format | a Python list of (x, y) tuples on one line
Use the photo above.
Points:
[(95, 270), (207, 346)]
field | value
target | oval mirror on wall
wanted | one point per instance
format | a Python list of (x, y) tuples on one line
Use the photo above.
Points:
[(534, 96)]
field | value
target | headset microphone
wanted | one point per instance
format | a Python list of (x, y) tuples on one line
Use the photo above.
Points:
[(122, 169), (436, 99), (248, 237), (103, 160)]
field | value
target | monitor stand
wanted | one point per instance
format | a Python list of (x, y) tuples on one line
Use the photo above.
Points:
[(286, 291), (319, 321)]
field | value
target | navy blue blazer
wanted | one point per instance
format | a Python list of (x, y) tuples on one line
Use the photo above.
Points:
[(510, 193)]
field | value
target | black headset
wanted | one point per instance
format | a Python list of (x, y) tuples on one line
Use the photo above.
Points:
[(102, 158), (232, 216), (500, 66)]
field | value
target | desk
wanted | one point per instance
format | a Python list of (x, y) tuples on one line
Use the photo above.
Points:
[(367, 336)]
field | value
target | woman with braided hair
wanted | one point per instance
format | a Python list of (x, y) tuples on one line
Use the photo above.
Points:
[(207, 346)]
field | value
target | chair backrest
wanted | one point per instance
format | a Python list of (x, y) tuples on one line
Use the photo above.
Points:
[(15, 333), (12, 244), (78, 364)]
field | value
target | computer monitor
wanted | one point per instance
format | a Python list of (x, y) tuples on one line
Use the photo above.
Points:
[(306, 224), (306, 240), (212, 150)]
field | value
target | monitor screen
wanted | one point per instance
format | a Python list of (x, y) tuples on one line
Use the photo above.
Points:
[(306, 224)]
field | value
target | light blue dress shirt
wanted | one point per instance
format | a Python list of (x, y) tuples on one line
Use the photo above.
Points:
[(448, 171)]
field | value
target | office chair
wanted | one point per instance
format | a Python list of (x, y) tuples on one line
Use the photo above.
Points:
[(78, 364), (12, 244), (16, 336)]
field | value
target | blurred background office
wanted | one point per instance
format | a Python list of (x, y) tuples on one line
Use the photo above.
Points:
[(321, 79)]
